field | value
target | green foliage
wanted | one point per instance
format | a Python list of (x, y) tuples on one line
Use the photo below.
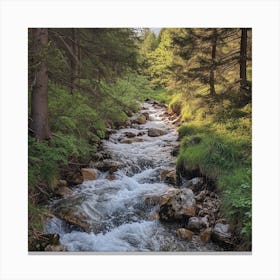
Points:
[(224, 154), (45, 158), (160, 59), (36, 216), (135, 87), (237, 199), (72, 114)]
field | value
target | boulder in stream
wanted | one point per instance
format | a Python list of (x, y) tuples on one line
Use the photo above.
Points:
[(146, 114), (179, 207), (194, 223), (184, 234), (222, 233), (155, 132), (108, 165), (169, 176), (130, 134), (160, 199), (56, 248), (130, 141), (63, 191), (205, 235), (138, 119), (73, 217), (195, 184), (88, 174)]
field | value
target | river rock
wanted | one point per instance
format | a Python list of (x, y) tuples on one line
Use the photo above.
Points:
[(130, 134), (73, 217), (139, 119), (222, 233), (184, 234), (88, 174), (205, 221), (169, 176), (155, 132), (195, 183), (194, 223), (146, 114), (180, 206), (56, 248), (138, 139), (210, 207), (160, 199), (63, 191), (111, 177), (130, 141), (141, 133), (201, 196), (126, 141), (109, 165), (205, 235)]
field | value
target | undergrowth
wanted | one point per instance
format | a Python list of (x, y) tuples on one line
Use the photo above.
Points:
[(223, 153)]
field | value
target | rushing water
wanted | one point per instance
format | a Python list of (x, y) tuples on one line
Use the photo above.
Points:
[(116, 209)]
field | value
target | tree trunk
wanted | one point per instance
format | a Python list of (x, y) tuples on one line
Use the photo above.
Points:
[(243, 59), (39, 92), (213, 55), (74, 60)]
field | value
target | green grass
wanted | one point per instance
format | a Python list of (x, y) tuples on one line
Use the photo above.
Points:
[(223, 154)]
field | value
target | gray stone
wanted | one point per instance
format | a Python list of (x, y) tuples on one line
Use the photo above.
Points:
[(178, 207), (155, 132), (222, 233)]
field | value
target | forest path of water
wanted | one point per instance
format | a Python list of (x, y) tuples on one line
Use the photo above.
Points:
[(120, 219)]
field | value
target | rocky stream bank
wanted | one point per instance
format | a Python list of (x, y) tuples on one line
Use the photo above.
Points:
[(131, 198)]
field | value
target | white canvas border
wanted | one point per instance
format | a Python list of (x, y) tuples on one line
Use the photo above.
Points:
[(262, 16)]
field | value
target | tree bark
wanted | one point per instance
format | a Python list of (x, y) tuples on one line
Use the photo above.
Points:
[(39, 91), (243, 59), (213, 56), (74, 60)]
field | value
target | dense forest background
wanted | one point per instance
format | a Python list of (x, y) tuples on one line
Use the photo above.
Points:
[(84, 81)]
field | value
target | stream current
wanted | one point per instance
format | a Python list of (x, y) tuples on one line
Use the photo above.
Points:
[(116, 208)]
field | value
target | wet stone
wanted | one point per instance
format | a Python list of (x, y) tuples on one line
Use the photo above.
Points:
[(130, 134), (222, 233), (205, 235), (88, 174), (179, 207), (184, 234), (155, 132)]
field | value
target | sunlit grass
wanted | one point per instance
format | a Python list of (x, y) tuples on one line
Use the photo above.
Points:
[(224, 154)]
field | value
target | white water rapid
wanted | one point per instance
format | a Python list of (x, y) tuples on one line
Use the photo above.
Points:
[(116, 209)]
